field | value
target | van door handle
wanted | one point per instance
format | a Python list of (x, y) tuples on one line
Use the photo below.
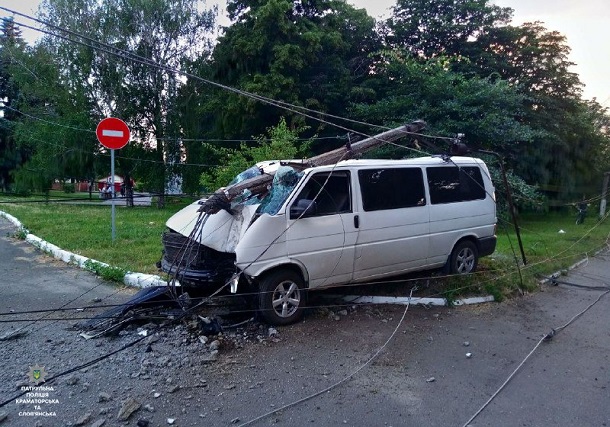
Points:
[(356, 221)]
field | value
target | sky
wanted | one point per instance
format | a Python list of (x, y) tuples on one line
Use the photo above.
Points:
[(585, 23)]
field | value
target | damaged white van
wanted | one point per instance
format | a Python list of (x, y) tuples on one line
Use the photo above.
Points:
[(348, 223)]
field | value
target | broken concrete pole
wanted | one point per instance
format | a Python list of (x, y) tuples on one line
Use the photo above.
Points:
[(221, 198)]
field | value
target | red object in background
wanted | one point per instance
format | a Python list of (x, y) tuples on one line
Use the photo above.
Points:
[(113, 133)]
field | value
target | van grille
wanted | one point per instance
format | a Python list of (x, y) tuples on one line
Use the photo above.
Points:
[(181, 251)]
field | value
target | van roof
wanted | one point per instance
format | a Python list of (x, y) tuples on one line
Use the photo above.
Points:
[(419, 161)]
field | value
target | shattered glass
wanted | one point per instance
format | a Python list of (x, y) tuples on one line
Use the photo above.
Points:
[(245, 198), (247, 174), (284, 181)]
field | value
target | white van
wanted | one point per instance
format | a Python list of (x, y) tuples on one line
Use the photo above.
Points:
[(348, 223)]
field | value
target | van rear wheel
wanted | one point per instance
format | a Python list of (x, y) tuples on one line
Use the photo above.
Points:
[(464, 258), (282, 297)]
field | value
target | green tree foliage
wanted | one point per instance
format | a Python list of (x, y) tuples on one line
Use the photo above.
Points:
[(441, 27), (313, 54), (279, 143), (52, 124), (528, 56), (568, 142), (11, 48), (488, 111), (548, 136), (141, 91)]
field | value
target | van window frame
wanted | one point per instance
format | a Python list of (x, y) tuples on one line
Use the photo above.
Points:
[(322, 198), (372, 200), (467, 188)]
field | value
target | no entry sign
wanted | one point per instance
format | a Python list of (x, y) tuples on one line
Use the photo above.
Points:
[(112, 133)]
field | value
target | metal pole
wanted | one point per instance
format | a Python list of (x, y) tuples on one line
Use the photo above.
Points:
[(112, 192)]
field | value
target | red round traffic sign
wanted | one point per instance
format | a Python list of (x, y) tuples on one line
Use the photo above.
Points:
[(112, 133)]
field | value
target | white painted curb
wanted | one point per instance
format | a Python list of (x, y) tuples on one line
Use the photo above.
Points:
[(139, 280), (555, 275), (414, 301)]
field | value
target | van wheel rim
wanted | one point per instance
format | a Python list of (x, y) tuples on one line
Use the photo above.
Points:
[(286, 299), (465, 261)]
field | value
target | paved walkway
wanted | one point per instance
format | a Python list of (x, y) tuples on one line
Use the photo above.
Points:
[(139, 199)]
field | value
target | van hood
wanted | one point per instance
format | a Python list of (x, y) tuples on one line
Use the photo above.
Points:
[(221, 231)]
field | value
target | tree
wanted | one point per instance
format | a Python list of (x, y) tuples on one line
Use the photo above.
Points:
[(312, 54), (142, 91), (528, 56), (279, 143), (535, 61), (560, 139), (441, 27), (55, 126), (12, 46), (487, 111)]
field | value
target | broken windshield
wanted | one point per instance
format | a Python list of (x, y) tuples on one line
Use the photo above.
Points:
[(284, 181), (247, 174)]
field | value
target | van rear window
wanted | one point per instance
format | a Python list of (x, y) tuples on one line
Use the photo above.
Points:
[(450, 184), (391, 188)]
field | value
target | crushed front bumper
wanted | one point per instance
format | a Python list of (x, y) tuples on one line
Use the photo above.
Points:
[(194, 264)]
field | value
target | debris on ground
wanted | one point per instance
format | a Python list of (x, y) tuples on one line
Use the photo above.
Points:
[(13, 335), (129, 406)]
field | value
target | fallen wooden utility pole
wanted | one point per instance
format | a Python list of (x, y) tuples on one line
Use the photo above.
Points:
[(259, 184)]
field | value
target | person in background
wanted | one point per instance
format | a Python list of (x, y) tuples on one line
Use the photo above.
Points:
[(582, 210)]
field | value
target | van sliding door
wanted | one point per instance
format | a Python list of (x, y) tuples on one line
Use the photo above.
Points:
[(394, 222)]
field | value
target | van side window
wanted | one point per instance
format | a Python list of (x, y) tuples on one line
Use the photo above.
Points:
[(392, 188), (330, 193), (450, 184)]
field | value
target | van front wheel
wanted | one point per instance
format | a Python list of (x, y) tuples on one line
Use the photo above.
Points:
[(464, 258), (282, 297)]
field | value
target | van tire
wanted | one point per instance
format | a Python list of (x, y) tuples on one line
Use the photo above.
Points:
[(464, 258), (281, 298)]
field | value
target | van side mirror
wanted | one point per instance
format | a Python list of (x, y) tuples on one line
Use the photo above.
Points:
[(303, 208)]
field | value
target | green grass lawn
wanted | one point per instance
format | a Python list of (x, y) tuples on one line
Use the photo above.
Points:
[(86, 230), (54, 195), (551, 242)]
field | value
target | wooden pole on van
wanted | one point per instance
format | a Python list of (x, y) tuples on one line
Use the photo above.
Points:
[(365, 145), (259, 184)]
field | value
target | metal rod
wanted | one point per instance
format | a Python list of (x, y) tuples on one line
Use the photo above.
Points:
[(112, 193)]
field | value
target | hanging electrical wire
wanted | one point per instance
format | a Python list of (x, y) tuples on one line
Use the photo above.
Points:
[(112, 50)]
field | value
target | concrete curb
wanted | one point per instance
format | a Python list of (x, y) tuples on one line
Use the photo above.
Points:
[(415, 301), (139, 280), (574, 266)]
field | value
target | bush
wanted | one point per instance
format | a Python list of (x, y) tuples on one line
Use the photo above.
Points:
[(68, 187)]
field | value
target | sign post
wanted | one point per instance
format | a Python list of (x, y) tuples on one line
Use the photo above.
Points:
[(113, 134)]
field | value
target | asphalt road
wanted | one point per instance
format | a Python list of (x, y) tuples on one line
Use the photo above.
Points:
[(421, 377)]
